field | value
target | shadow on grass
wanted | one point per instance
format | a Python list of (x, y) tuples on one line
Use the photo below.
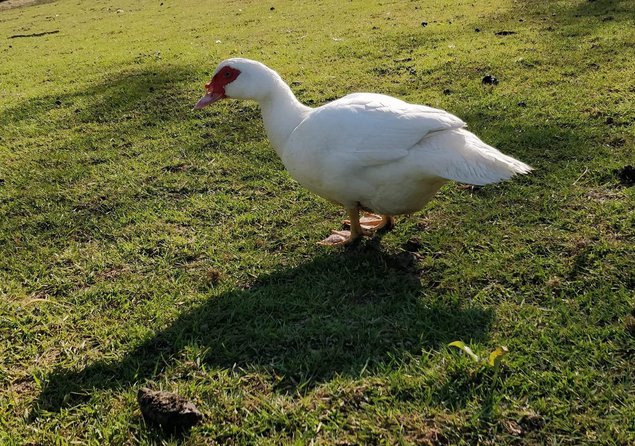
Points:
[(74, 137), (339, 313), (591, 14), (149, 92), (606, 10)]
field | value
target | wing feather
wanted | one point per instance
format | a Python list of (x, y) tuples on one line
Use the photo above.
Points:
[(375, 129)]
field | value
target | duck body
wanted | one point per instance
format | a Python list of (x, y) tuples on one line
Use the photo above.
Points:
[(360, 169), (364, 151)]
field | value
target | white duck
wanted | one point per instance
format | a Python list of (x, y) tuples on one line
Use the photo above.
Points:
[(365, 151)]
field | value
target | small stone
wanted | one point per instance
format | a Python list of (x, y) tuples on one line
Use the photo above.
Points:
[(272, 8), (626, 175), (531, 422), (169, 411), (412, 245), (424, 24), (512, 428), (214, 276), (488, 79), (406, 261)]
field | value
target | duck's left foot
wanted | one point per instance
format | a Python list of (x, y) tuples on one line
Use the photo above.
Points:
[(374, 222), (338, 238)]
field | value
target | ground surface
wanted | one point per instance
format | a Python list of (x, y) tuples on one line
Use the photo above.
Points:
[(143, 244), (10, 4)]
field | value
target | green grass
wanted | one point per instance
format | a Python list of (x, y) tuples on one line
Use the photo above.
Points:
[(143, 244)]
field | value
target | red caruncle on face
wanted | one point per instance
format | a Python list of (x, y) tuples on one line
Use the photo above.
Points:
[(220, 80)]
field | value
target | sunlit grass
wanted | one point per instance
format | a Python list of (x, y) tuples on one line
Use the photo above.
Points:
[(144, 244)]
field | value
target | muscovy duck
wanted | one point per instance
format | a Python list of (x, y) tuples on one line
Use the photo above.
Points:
[(367, 152)]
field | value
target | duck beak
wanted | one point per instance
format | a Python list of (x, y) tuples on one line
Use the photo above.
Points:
[(209, 98)]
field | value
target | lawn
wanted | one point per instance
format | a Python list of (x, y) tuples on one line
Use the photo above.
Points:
[(143, 244)]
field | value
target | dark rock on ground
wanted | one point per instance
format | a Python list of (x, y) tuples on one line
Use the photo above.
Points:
[(168, 410), (405, 261), (531, 422), (412, 245), (512, 427), (626, 175), (488, 79)]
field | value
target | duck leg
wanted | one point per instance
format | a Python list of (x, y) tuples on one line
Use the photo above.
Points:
[(343, 238), (375, 222)]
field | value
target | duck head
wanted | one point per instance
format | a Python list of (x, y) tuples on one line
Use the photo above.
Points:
[(239, 79)]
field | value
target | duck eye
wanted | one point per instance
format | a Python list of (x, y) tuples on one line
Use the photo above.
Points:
[(227, 74)]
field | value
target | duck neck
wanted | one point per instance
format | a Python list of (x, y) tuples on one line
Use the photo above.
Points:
[(281, 114)]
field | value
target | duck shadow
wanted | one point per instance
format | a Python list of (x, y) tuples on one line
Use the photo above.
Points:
[(338, 314)]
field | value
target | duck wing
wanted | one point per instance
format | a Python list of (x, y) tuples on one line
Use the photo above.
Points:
[(373, 129)]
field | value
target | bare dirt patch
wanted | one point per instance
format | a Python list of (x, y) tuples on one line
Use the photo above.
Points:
[(10, 4)]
